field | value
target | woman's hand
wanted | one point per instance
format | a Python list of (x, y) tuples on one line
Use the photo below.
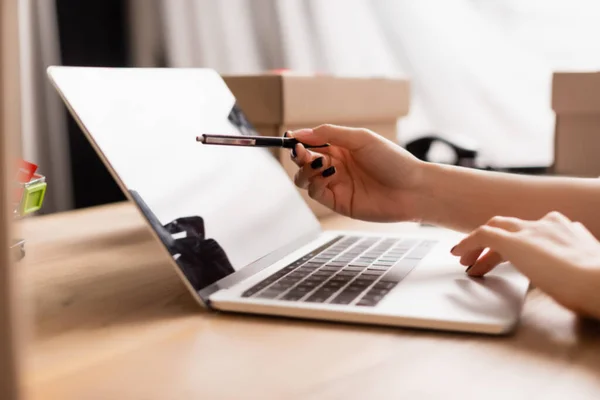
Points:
[(560, 257), (360, 174)]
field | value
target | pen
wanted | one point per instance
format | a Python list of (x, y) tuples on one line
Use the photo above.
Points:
[(254, 141)]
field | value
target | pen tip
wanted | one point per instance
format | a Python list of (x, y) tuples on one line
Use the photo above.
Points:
[(198, 138)]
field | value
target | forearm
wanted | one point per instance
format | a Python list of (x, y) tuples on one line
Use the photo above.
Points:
[(462, 198)]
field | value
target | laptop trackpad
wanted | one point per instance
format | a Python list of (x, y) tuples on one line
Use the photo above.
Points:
[(442, 290)]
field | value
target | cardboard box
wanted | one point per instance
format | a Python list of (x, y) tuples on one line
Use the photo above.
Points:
[(576, 103), (275, 103)]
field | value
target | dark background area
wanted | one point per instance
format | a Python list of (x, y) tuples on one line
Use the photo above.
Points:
[(92, 33)]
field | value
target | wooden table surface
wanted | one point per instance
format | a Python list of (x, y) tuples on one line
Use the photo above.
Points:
[(111, 320)]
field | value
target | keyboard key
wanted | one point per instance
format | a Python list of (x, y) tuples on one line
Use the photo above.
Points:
[(400, 270), (361, 266), (323, 271), (368, 302), (384, 285), (405, 247), (309, 285), (328, 290), (374, 272), (384, 263), (374, 254), (353, 269), (294, 296), (335, 284), (269, 294), (281, 287), (365, 280), (275, 277), (395, 256), (374, 297), (378, 268), (343, 299), (370, 276), (335, 264), (311, 265), (355, 288), (312, 278), (253, 290), (330, 268), (342, 278), (302, 289), (289, 281), (395, 251), (299, 274), (318, 297), (419, 252), (362, 261), (377, 292)]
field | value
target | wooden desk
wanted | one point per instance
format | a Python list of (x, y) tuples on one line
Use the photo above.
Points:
[(112, 321)]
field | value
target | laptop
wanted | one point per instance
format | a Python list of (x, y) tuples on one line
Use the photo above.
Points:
[(239, 233)]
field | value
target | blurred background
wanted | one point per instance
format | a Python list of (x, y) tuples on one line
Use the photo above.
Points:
[(481, 69)]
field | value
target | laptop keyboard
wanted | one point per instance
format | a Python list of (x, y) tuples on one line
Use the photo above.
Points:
[(348, 270)]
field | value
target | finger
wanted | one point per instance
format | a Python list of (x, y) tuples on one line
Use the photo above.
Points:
[(318, 164), (556, 216), (482, 238), (350, 138), (579, 228), (471, 257), (300, 155), (485, 264), (509, 224), (319, 190), (297, 154)]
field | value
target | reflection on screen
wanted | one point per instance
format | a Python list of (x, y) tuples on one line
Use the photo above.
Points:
[(215, 208)]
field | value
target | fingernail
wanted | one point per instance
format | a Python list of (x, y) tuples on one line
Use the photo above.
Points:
[(317, 163), (328, 172), (293, 153), (470, 266), (286, 134)]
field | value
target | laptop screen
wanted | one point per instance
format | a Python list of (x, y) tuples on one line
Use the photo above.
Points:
[(215, 208)]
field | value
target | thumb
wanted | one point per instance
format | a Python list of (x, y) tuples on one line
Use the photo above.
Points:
[(350, 138)]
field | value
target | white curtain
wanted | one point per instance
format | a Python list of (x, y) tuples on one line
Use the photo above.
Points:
[(44, 124), (479, 68)]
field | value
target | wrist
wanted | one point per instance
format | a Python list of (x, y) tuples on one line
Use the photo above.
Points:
[(434, 197), (422, 192), (416, 198)]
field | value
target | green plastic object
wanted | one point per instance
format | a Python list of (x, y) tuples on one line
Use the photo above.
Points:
[(33, 198)]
